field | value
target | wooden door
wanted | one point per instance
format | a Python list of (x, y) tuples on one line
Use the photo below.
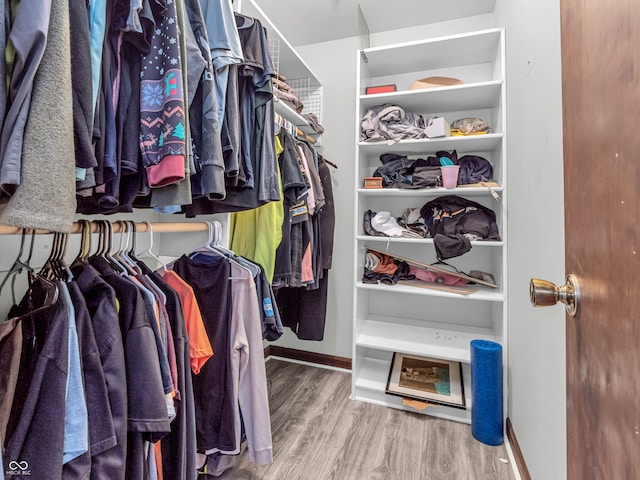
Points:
[(601, 104)]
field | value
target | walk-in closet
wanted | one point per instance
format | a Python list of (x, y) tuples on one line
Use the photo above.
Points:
[(232, 245)]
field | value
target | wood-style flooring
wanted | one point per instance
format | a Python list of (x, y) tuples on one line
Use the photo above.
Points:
[(320, 434)]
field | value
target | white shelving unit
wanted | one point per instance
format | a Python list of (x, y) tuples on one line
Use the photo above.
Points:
[(405, 318)]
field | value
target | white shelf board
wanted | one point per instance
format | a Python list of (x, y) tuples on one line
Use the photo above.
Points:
[(371, 382), (485, 293), (429, 339), (294, 117), (436, 53), (419, 192), (441, 99), (423, 241), (462, 144)]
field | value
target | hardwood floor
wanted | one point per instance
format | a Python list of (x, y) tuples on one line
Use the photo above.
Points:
[(320, 434)]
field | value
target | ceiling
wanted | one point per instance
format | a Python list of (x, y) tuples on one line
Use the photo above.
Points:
[(304, 22)]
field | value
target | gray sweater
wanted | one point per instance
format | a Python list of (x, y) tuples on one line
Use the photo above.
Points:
[(28, 37), (46, 195)]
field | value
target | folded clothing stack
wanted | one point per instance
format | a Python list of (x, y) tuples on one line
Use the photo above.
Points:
[(385, 269), (314, 122), (285, 93)]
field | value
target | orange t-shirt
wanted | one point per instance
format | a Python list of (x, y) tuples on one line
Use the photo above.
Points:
[(199, 346)]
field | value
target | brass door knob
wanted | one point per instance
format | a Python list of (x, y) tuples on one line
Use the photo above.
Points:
[(544, 293)]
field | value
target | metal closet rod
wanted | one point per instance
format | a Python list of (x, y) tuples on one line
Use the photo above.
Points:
[(157, 227)]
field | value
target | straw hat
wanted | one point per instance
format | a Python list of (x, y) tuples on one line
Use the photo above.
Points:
[(432, 82)]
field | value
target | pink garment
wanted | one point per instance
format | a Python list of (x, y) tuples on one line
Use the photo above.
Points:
[(435, 277), (170, 170), (306, 275)]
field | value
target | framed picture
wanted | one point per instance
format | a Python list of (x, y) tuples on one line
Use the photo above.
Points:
[(428, 379)]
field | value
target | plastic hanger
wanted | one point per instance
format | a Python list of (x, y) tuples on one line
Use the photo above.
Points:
[(61, 269), (213, 245), (47, 269), (148, 253), (105, 240), (218, 239), (55, 267), (118, 266), (121, 254), (208, 245), (18, 265), (85, 243), (131, 253), (41, 294)]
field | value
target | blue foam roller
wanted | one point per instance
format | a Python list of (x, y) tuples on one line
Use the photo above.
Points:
[(486, 392)]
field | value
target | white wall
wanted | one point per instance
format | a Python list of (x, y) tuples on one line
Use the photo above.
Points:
[(452, 27), (335, 64), (537, 394)]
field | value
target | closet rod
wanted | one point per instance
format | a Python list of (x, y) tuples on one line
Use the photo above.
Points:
[(157, 227), (304, 136)]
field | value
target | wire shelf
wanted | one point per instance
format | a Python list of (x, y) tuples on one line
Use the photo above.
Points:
[(310, 95)]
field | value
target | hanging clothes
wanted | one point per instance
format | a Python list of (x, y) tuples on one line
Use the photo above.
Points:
[(256, 182), (242, 390), (179, 446), (148, 388), (294, 186), (36, 425), (45, 196), (28, 36), (100, 300), (303, 305), (212, 387), (170, 105)]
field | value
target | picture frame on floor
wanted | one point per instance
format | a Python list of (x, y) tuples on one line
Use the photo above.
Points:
[(431, 380)]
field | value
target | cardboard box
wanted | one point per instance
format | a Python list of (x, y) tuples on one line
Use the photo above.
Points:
[(373, 182), (438, 127)]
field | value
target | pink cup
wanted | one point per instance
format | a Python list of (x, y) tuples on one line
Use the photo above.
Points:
[(449, 175)]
